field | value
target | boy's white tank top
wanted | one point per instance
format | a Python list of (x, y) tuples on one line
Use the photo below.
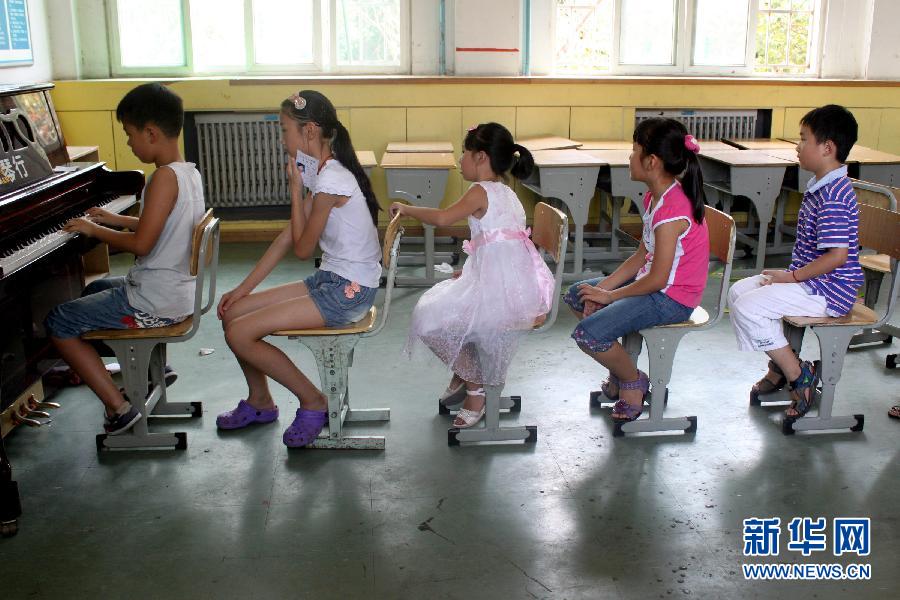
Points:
[(161, 283)]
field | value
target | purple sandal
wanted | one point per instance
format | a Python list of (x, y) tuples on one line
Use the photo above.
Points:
[(631, 412), (245, 415), (604, 387), (306, 428)]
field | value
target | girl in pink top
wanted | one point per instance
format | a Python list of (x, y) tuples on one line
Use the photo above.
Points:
[(663, 281)]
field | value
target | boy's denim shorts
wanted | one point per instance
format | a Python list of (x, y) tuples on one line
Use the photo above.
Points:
[(103, 305), (329, 291), (605, 326)]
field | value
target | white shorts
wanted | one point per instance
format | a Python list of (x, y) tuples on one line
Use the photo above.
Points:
[(756, 311)]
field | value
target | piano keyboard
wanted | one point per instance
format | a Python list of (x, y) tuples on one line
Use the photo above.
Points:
[(14, 259)]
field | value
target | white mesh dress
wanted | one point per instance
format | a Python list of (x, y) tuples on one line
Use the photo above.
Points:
[(474, 323)]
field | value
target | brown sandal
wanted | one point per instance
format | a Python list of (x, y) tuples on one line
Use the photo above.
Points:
[(764, 387)]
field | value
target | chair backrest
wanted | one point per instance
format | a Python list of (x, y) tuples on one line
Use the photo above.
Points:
[(879, 230), (390, 250), (196, 240), (874, 194), (549, 233), (722, 235), (204, 264)]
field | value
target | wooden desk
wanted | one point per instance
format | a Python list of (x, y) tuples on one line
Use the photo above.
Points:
[(420, 147), (709, 145), (749, 173), (420, 178), (549, 142), (83, 153), (366, 158), (762, 144), (570, 176), (606, 145), (875, 166)]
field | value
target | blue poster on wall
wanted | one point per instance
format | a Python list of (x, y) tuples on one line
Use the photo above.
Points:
[(15, 35)]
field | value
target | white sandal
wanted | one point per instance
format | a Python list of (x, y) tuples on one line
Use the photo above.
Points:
[(467, 418)]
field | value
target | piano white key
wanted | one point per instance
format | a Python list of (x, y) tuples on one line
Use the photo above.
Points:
[(49, 242)]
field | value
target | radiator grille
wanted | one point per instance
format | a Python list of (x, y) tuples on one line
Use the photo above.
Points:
[(709, 124), (241, 159)]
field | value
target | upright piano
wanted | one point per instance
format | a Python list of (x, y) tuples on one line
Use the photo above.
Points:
[(40, 264)]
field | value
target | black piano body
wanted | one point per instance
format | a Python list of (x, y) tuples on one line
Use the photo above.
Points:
[(40, 265)]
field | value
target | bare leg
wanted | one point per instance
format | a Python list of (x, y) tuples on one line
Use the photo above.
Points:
[(84, 360), (258, 394), (787, 361), (260, 359)]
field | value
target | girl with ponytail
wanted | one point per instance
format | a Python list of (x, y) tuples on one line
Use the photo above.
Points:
[(473, 322), (663, 281), (338, 213)]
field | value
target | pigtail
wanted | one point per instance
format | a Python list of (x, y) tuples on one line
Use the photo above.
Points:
[(523, 165), (692, 184), (342, 149)]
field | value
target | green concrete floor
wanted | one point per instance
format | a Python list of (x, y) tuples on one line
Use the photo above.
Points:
[(578, 515)]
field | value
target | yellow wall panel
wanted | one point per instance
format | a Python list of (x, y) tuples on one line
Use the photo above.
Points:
[(475, 115), (435, 124), (598, 123), (372, 129), (534, 121), (890, 131), (869, 120), (91, 128), (792, 118)]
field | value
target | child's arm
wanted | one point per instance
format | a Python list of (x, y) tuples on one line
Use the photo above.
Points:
[(627, 270), (665, 238), (159, 199), (305, 231), (104, 217), (272, 256), (473, 202), (828, 262)]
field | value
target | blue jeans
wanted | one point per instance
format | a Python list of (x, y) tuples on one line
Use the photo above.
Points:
[(329, 292), (103, 305), (606, 325)]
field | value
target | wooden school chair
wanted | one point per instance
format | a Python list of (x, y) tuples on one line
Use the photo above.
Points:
[(879, 230), (550, 231), (662, 341), (875, 266), (333, 350), (140, 350)]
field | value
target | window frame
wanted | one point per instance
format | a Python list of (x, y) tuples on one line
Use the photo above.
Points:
[(323, 46)]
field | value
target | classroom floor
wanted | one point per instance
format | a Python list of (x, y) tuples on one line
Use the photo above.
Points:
[(577, 515)]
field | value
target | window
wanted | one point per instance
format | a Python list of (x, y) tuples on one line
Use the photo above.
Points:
[(784, 34), (584, 35), (734, 37), (199, 37)]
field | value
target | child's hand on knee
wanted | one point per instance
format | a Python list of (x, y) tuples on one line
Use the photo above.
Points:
[(590, 307), (777, 276), (227, 301)]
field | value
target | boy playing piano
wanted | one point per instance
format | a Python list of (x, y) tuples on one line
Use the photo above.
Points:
[(159, 289)]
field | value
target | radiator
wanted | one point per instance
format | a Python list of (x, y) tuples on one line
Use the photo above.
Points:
[(241, 159), (708, 124)]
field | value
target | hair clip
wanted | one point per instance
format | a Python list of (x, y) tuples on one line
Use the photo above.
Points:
[(298, 100), (472, 128), (690, 142)]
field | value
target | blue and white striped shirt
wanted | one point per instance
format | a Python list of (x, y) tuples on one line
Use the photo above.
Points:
[(829, 218)]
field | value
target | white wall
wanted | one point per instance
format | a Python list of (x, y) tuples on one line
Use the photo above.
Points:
[(41, 70), (884, 45)]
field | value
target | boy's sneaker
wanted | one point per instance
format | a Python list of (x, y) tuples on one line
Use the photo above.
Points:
[(170, 376), (116, 424)]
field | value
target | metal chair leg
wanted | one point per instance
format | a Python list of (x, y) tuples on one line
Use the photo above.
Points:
[(661, 344), (492, 431), (334, 357)]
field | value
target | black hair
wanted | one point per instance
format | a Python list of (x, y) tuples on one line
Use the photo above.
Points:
[(496, 141), (318, 109), (666, 139), (152, 104), (833, 122)]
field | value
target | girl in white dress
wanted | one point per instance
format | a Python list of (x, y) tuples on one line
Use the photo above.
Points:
[(473, 322)]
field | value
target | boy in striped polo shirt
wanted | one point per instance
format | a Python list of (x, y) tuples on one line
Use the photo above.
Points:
[(824, 275)]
